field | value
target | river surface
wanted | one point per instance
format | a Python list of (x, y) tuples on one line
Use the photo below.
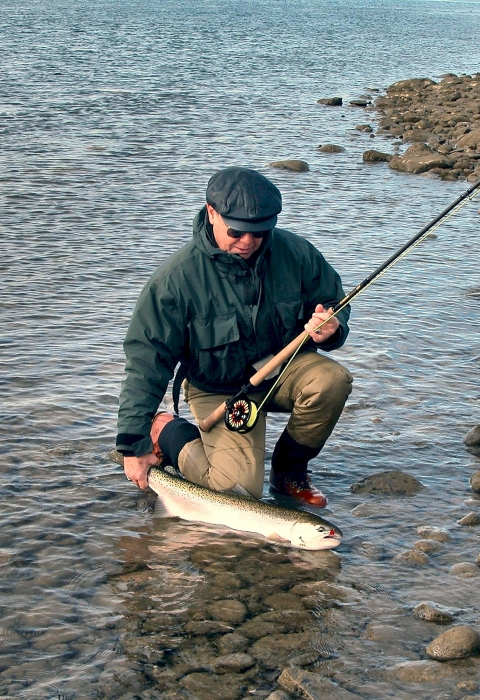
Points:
[(113, 115)]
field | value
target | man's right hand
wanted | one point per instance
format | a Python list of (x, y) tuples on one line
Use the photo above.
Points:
[(136, 468)]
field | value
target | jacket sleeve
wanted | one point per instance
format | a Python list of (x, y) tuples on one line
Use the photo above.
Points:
[(153, 346), (325, 287)]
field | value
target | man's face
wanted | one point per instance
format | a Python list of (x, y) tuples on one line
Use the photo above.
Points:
[(245, 246)]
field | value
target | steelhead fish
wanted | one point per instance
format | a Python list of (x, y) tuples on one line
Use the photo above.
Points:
[(183, 499)]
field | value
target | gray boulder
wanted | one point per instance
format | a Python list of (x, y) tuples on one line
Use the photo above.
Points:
[(473, 436), (330, 101), (393, 483)]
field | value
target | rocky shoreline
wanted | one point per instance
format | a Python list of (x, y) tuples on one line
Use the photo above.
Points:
[(441, 121)]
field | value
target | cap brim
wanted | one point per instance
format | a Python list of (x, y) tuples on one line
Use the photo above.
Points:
[(251, 226)]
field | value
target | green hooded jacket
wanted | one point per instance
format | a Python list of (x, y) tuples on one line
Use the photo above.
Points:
[(217, 314)]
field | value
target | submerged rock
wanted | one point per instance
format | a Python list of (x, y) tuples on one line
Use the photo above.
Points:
[(330, 101), (433, 533), (298, 166), (465, 569), (433, 612), (411, 557), (422, 671), (313, 686), (456, 643), (395, 483), (331, 148)]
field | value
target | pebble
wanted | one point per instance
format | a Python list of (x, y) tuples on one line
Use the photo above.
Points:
[(232, 643), (456, 643), (274, 651), (382, 633), (433, 612), (234, 663), (469, 520), (198, 628)]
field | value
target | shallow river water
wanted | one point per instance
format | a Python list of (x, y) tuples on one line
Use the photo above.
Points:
[(112, 118)]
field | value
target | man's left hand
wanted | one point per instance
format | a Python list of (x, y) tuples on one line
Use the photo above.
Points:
[(327, 330)]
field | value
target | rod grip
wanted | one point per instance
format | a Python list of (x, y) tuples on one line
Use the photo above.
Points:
[(207, 423)]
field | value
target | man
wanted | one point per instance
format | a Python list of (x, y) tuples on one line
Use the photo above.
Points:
[(236, 294)]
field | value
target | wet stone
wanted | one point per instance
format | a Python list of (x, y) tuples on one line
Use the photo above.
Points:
[(470, 520), (475, 482), (232, 643), (473, 436), (233, 663), (394, 483), (232, 611), (433, 533), (467, 686), (198, 628), (258, 628), (433, 612), (382, 633), (373, 156), (207, 686), (283, 601), (313, 686), (330, 101), (411, 558), (428, 546), (298, 166), (465, 570), (331, 148), (456, 643), (274, 651), (278, 695), (289, 620)]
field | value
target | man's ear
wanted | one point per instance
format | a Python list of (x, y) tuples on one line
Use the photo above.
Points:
[(210, 212)]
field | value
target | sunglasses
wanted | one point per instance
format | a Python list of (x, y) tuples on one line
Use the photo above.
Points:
[(233, 233)]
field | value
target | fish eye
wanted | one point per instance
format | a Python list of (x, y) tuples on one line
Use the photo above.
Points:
[(321, 528)]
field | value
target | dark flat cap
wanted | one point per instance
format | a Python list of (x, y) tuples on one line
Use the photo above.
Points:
[(245, 199)]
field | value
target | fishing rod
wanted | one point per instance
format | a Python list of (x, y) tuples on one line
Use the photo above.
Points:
[(241, 413)]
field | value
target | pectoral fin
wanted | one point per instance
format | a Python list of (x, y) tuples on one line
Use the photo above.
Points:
[(276, 538)]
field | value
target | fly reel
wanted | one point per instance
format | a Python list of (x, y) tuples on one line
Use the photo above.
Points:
[(241, 414)]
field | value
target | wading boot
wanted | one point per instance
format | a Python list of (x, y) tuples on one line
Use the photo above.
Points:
[(289, 476)]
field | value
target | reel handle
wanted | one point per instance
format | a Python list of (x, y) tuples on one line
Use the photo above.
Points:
[(207, 423)]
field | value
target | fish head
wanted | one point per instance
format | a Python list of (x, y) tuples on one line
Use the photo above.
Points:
[(318, 535)]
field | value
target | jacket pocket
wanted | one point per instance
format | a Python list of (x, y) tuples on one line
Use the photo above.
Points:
[(216, 353), (290, 315)]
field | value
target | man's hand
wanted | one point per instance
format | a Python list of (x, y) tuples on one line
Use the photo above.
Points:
[(325, 331), (136, 468)]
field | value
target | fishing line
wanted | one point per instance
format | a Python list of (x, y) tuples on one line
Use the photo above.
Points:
[(373, 278), (240, 412)]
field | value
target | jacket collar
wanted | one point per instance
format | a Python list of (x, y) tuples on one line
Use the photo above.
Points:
[(234, 263)]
